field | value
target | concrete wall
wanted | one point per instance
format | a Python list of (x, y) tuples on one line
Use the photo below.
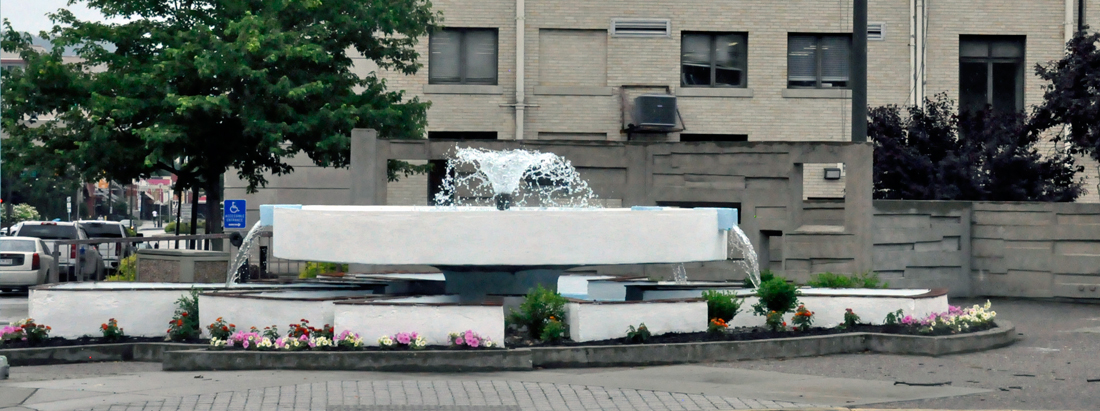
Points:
[(990, 249)]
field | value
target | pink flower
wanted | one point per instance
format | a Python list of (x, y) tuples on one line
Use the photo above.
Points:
[(403, 338), (474, 343), (303, 338), (458, 341), (245, 344), (471, 340)]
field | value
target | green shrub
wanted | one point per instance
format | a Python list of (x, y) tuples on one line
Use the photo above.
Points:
[(127, 270), (722, 304), (860, 280), (638, 335), (554, 331), (539, 310), (765, 275), (185, 227), (850, 319), (776, 295), (312, 269), (894, 318), (185, 322)]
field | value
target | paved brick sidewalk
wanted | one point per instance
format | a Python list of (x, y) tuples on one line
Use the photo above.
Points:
[(491, 395)]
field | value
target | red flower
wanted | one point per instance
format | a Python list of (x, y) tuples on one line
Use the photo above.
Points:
[(183, 314), (231, 325), (103, 327), (224, 328)]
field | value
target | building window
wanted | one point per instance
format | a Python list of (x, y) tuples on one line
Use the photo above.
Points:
[(991, 73), (818, 60), (463, 56), (713, 59)]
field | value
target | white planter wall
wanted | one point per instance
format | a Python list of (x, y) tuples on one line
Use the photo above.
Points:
[(433, 321), (829, 310), (591, 321), (247, 312), (72, 314)]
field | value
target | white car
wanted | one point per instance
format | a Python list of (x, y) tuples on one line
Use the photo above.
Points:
[(91, 263), (24, 262), (112, 253)]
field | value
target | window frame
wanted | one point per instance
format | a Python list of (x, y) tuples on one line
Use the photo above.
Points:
[(713, 36), (818, 59), (989, 60), (464, 56)]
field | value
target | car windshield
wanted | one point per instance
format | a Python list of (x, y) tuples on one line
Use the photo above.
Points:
[(48, 232), (18, 246), (101, 230)]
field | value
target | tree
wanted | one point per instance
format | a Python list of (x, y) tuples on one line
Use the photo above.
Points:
[(24, 212), (197, 87), (934, 154), (1073, 95)]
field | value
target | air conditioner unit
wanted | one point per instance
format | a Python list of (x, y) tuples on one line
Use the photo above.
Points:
[(655, 110)]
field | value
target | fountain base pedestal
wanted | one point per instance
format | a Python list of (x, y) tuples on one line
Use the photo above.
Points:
[(474, 283)]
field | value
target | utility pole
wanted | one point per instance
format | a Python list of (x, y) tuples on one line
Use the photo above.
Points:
[(859, 71)]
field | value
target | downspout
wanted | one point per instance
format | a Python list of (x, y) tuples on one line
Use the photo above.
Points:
[(1067, 29), (913, 52), (921, 26), (521, 28)]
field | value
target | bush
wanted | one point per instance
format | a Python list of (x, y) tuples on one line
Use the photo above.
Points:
[(860, 280), (185, 227), (850, 319), (803, 318), (312, 269), (111, 330), (185, 322), (540, 308), (554, 331), (220, 329), (716, 326), (127, 270), (722, 304), (638, 335), (774, 321), (776, 295), (765, 275)]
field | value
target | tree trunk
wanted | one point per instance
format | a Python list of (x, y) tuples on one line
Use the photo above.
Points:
[(213, 210)]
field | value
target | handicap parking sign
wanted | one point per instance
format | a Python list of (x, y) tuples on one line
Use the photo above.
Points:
[(235, 215)]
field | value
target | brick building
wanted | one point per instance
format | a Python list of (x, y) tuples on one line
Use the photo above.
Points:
[(740, 70)]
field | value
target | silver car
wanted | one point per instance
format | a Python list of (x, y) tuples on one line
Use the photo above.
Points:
[(111, 253), (24, 262)]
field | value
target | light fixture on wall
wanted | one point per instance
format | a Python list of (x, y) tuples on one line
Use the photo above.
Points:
[(832, 173)]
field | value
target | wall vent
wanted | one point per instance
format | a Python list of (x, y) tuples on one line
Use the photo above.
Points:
[(876, 31), (641, 28)]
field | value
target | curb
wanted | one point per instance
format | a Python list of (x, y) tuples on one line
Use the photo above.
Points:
[(589, 356), (139, 351)]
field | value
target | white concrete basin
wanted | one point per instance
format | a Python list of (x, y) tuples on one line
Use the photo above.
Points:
[(483, 236)]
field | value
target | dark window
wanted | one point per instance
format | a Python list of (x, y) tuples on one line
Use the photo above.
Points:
[(48, 232), (818, 60), (713, 137), (462, 135), (991, 73), (462, 56), (713, 59), (103, 230)]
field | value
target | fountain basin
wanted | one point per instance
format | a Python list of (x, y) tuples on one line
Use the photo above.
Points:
[(431, 316), (484, 236), (141, 309), (603, 320)]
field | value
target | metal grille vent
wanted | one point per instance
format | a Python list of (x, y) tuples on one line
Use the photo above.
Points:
[(876, 31), (641, 27)]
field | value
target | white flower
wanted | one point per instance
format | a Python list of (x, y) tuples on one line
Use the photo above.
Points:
[(385, 341), (487, 343)]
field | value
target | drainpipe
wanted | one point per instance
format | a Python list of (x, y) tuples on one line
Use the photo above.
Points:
[(1068, 24), (920, 17), (521, 28), (913, 52)]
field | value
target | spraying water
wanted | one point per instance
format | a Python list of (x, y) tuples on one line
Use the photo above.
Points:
[(739, 244), (243, 252), (512, 178), (679, 274)]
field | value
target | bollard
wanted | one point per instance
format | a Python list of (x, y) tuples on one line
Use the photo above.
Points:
[(4, 367)]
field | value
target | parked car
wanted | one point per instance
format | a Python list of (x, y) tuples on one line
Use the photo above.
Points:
[(112, 253), (24, 262), (91, 263)]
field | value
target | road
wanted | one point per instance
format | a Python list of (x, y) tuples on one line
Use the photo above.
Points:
[(1050, 367)]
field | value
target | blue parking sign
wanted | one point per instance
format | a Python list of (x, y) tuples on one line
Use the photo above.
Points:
[(235, 214)]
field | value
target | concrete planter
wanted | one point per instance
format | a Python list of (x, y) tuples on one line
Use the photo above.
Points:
[(594, 321), (181, 266), (279, 308), (152, 352), (432, 317), (591, 356)]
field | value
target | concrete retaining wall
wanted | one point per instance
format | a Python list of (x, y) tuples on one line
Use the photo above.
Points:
[(594, 321), (990, 248)]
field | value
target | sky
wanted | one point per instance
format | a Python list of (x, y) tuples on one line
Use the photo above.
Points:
[(30, 15)]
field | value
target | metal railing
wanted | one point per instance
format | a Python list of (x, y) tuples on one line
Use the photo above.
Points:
[(74, 270)]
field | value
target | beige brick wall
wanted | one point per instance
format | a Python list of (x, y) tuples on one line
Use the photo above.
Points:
[(814, 184), (572, 57), (408, 191)]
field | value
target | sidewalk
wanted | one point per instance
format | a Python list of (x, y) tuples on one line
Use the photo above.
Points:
[(141, 386)]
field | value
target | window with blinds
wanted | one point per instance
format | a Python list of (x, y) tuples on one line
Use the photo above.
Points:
[(818, 60), (713, 59), (462, 56)]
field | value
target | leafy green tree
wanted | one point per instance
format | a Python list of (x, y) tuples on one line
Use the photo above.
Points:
[(24, 212), (1072, 96), (198, 87), (932, 153)]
